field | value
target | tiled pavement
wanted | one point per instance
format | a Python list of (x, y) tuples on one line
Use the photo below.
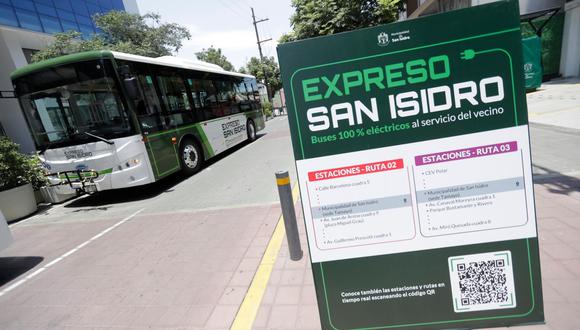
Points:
[(182, 276), (290, 302)]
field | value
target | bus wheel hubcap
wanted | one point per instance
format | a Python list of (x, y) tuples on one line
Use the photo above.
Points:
[(190, 156)]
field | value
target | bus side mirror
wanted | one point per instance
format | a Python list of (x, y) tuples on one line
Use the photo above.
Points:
[(132, 88)]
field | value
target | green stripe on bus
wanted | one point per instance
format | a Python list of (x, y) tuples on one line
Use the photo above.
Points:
[(204, 141), (87, 174)]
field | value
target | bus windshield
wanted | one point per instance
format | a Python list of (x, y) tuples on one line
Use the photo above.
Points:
[(74, 104)]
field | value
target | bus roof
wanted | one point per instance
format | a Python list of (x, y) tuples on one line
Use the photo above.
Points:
[(98, 54)]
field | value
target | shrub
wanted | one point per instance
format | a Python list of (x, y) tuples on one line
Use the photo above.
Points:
[(267, 106), (17, 169)]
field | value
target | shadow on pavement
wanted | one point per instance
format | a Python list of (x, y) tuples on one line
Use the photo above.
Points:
[(12, 267), (98, 201), (556, 182)]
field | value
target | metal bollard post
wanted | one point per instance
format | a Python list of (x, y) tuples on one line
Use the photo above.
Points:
[(287, 203)]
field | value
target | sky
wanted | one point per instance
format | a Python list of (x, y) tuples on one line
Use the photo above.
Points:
[(225, 24)]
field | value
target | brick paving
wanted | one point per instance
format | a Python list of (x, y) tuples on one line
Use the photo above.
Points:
[(168, 271), (290, 301), (155, 271)]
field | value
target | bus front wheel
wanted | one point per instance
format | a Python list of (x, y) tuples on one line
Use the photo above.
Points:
[(191, 156), (251, 127)]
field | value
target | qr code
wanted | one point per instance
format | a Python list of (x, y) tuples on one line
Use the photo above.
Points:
[(482, 281)]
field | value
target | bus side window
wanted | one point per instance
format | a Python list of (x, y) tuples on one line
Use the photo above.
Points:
[(147, 108), (242, 97), (227, 104), (195, 87), (208, 96), (253, 92), (197, 97), (176, 100)]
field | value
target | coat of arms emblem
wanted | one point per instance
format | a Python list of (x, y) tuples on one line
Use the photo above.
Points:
[(383, 39)]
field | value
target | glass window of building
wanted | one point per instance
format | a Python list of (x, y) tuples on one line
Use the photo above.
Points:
[(84, 20), (24, 4), (106, 4), (117, 4), (80, 8), (62, 4), (46, 10), (68, 25), (93, 9), (65, 14), (7, 16), (44, 2), (28, 20), (50, 24), (87, 31), (53, 16)]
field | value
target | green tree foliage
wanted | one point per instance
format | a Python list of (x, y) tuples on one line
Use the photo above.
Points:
[(124, 32), (215, 56), (255, 67), (313, 18), (18, 169)]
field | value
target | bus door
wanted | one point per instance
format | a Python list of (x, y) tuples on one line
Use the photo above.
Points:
[(156, 130)]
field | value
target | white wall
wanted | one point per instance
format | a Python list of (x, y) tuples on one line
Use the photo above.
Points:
[(12, 41), (570, 61), (131, 6)]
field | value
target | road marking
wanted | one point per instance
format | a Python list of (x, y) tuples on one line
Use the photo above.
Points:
[(67, 254), (251, 304)]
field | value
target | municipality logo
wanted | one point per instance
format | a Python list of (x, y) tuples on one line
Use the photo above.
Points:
[(383, 39)]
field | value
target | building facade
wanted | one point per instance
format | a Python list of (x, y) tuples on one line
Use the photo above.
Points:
[(564, 51), (26, 26)]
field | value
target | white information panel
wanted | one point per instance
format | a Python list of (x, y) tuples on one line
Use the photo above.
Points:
[(419, 196)]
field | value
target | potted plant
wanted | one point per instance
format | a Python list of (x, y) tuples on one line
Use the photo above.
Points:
[(20, 175)]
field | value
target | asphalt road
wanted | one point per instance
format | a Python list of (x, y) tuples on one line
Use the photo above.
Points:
[(243, 176)]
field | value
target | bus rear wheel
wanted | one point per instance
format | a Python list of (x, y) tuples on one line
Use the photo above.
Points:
[(251, 128), (191, 156)]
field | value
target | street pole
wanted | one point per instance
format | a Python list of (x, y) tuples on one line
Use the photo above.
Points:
[(260, 50), (289, 215)]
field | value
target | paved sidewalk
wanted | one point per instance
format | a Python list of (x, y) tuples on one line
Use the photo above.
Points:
[(290, 302), (166, 270), (556, 103)]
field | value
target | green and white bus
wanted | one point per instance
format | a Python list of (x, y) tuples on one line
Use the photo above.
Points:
[(106, 120)]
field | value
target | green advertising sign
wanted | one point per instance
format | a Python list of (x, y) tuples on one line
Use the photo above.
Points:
[(413, 159)]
